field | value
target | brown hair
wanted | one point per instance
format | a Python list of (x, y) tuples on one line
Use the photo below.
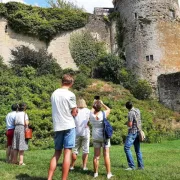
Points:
[(97, 105), (67, 79)]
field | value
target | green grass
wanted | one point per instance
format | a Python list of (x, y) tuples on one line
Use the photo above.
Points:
[(162, 162)]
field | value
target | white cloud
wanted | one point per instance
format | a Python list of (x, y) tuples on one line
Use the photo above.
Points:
[(90, 4)]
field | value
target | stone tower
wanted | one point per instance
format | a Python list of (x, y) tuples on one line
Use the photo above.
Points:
[(151, 37)]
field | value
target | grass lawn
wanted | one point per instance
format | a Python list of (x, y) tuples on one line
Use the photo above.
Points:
[(162, 162)]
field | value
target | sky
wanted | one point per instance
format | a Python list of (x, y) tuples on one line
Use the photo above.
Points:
[(88, 5)]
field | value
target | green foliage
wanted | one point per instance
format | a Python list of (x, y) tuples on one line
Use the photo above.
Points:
[(161, 163), (81, 82), (142, 90), (85, 50), (69, 71), (108, 66), (85, 70), (63, 4), (41, 61), (43, 23)]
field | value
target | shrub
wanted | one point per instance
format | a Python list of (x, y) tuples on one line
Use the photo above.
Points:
[(108, 67), (85, 70), (142, 90), (41, 61), (81, 81)]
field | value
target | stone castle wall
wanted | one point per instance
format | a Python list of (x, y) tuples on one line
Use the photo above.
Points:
[(151, 37), (9, 40), (169, 91), (59, 46)]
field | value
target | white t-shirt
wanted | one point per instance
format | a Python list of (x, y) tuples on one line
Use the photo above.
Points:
[(63, 101), (97, 125), (10, 120), (20, 117), (81, 121)]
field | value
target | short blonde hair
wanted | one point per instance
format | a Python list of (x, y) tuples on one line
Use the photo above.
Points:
[(81, 103)]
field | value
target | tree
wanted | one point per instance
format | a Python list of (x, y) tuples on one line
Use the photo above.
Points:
[(41, 61), (63, 4), (85, 50)]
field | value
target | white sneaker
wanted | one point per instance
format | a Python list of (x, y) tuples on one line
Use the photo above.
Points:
[(85, 169), (71, 168), (95, 175), (109, 176), (129, 169)]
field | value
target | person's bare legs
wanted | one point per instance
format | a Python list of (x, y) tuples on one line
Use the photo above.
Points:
[(97, 152), (21, 157), (107, 160), (8, 153), (85, 159), (66, 163), (53, 163), (15, 156), (73, 159)]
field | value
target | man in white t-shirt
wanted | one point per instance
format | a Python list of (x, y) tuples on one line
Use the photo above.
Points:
[(63, 109)]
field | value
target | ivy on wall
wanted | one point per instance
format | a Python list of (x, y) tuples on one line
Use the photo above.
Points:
[(44, 23)]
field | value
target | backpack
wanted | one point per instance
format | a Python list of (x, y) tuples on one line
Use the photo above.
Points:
[(107, 128)]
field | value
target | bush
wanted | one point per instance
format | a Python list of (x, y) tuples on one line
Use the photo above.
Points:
[(41, 61), (142, 90), (85, 50), (108, 67), (81, 81)]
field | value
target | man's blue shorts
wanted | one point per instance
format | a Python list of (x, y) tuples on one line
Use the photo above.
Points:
[(65, 139)]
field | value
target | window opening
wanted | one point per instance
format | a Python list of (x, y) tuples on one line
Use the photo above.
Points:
[(147, 58)]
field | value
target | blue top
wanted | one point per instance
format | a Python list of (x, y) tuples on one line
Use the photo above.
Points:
[(10, 120)]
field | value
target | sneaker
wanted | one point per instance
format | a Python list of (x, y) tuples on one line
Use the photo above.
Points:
[(109, 176), (129, 169), (85, 169), (71, 168), (95, 175)]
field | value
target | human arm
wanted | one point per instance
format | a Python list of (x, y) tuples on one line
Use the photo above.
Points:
[(131, 117), (74, 111), (26, 120), (107, 109)]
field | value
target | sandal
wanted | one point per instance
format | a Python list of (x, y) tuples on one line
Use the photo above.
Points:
[(22, 164)]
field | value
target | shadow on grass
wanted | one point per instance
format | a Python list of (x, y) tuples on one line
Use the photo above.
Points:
[(27, 177), (77, 169), (2, 160)]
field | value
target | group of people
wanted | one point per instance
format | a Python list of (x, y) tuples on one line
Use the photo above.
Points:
[(16, 122), (71, 126)]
